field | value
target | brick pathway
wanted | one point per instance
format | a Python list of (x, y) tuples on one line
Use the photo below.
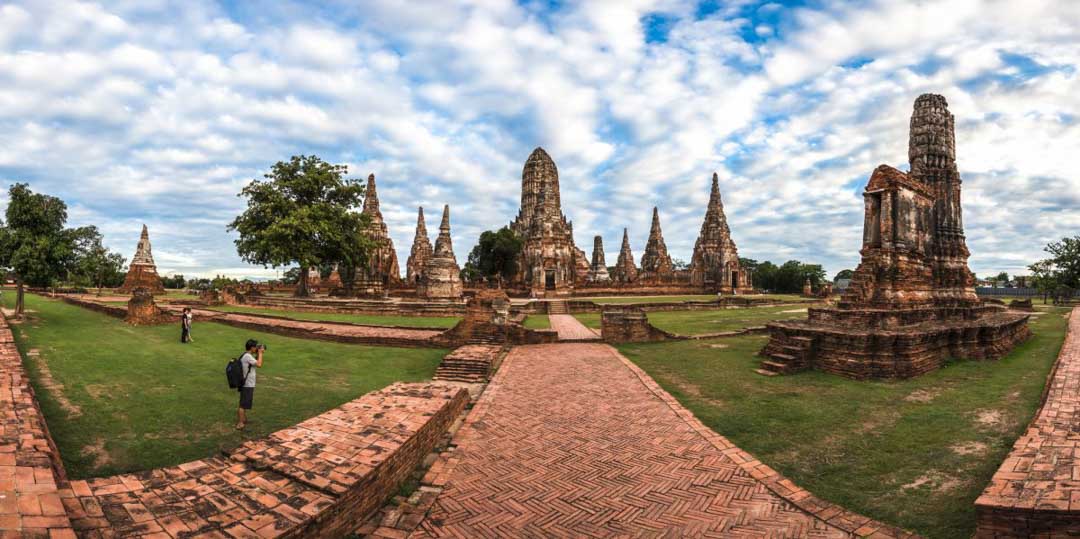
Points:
[(572, 440), (570, 328), (1037, 488)]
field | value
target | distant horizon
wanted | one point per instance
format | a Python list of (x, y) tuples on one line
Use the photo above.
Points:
[(163, 113)]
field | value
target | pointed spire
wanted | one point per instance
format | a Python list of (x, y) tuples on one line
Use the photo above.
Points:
[(421, 250), (444, 247), (655, 260), (625, 271), (715, 256), (714, 196), (655, 229), (598, 269), (371, 198), (143, 255)]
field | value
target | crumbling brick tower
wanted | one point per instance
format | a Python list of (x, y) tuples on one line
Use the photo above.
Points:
[(142, 273), (911, 304), (714, 265)]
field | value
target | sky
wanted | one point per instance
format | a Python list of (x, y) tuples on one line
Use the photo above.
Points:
[(159, 112)]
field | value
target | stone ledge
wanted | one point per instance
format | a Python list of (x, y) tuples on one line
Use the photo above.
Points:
[(1036, 490), (319, 478)]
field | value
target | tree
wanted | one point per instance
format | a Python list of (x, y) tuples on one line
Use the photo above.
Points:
[(303, 214), (93, 263), (1066, 260), (495, 256), (291, 276), (680, 264), (789, 277), (174, 282), (844, 274), (34, 243)]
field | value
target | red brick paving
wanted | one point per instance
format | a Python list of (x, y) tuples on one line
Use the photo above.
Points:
[(1037, 488), (572, 440), (570, 329)]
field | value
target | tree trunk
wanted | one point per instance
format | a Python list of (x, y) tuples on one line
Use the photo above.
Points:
[(302, 284), (19, 297)]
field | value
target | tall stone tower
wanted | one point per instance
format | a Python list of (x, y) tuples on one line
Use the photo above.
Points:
[(655, 262), (421, 251), (715, 263), (550, 263), (142, 273), (598, 272), (625, 271), (442, 276), (382, 267), (911, 304)]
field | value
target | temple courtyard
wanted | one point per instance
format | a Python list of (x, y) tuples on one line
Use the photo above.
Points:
[(680, 436)]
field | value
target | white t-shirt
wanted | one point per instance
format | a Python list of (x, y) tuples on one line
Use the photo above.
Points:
[(250, 366)]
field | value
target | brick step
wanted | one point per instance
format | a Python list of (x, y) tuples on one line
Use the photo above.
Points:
[(774, 366), (764, 372), (784, 358)]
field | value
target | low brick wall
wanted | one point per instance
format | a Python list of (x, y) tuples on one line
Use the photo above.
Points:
[(375, 307), (30, 467), (1036, 491), (630, 324), (319, 478)]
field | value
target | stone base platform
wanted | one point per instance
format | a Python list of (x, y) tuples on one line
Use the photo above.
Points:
[(893, 353), (471, 364), (319, 478)]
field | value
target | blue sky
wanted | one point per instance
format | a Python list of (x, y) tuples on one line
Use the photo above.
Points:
[(158, 112)]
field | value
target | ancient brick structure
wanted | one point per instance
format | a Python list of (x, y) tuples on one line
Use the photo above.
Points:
[(911, 303), (625, 271), (656, 266), (487, 321), (807, 289), (629, 324), (142, 273), (381, 271), (421, 251), (314, 279), (442, 276), (715, 263), (550, 262), (333, 280), (598, 272), (142, 310)]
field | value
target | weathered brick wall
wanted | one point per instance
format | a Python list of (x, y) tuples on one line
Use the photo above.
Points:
[(411, 308), (319, 478), (30, 467), (629, 324), (1035, 492)]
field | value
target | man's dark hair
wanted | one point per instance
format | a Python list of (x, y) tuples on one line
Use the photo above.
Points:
[(251, 343)]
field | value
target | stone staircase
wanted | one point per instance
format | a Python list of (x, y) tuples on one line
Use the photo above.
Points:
[(787, 354), (471, 363), (557, 307)]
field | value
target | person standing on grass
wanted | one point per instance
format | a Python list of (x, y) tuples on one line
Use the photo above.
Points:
[(251, 360), (185, 325)]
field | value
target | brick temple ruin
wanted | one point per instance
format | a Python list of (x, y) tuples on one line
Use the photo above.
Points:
[(715, 262), (911, 304), (441, 278), (381, 271), (142, 273)]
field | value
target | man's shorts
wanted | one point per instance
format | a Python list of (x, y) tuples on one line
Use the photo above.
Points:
[(247, 395)]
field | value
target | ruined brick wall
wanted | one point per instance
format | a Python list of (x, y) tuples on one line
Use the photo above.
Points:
[(319, 478), (629, 324)]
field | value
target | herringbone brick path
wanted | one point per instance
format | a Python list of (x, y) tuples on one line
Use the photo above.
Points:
[(569, 328), (571, 440)]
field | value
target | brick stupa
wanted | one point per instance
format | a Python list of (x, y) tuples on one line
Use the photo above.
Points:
[(550, 263), (911, 303), (142, 273), (598, 272), (715, 263), (656, 264), (381, 271), (421, 251), (625, 271), (442, 276)]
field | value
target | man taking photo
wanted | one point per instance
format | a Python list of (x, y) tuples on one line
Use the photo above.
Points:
[(251, 360)]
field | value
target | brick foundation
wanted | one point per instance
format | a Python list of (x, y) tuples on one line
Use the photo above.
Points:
[(630, 324)]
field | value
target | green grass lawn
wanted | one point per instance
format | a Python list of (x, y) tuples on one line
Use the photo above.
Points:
[(147, 401), (914, 453), (375, 319), (537, 321), (713, 321), (648, 299)]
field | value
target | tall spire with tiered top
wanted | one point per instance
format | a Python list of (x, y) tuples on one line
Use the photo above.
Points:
[(625, 271), (421, 250), (655, 261)]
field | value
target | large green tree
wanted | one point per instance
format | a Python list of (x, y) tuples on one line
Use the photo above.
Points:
[(304, 213), (787, 278), (33, 241), (93, 264), (495, 256)]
